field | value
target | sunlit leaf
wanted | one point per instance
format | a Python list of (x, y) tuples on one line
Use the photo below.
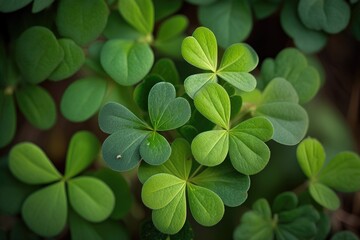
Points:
[(311, 156)]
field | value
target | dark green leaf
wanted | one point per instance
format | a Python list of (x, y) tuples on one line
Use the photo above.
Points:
[(83, 20), (40, 5), (189, 132), (38, 54), (264, 8), (344, 235), (166, 68), (83, 98), (7, 119), (284, 202), (155, 149), (11, 6), (323, 226), (37, 105), (236, 103), (142, 90), (164, 8)]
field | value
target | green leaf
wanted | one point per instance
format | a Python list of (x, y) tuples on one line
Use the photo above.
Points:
[(292, 65), (230, 185), (236, 103), (195, 82), (127, 62), (91, 198), (115, 117), (200, 49), (323, 226), (239, 57), (121, 190), (82, 150), (11, 6), (37, 54), (83, 98), (342, 172), (142, 90), (149, 232), (121, 149), (258, 127), (139, 14), (83, 21), (37, 105), (264, 8), (165, 68), (213, 102), (155, 149), (332, 16), (160, 189), (210, 148), (45, 211), (30, 164), (344, 235), (324, 196), (279, 105), (40, 5), (230, 20), (171, 218), (206, 207), (171, 28), (311, 156), (117, 27), (7, 119), (171, 47), (164, 107), (307, 40), (164, 8), (284, 202), (74, 58)]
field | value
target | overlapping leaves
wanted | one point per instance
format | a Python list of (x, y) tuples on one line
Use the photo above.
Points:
[(133, 139), (166, 186), (244, 142), (342, 173), (45, 211), (200, 50)]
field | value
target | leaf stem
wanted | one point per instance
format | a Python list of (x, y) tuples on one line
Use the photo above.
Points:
[(196, 171)]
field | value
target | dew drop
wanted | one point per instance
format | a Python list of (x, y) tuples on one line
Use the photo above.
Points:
[(118, 156)]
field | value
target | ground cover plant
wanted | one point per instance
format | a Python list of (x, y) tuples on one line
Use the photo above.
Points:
[(182, 119)]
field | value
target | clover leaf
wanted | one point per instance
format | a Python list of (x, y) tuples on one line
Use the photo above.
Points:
[(293, 66), (340, 173), (200, 50), (244, 142), (165, 188), (45, 211), (149, 231), (280, 106), (132, 139)]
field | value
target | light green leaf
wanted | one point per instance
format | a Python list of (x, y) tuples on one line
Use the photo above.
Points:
[(30, 164), (83, 20), (127, 62), (206, 207), (248, 154), (239, 57), (7, 119), (164, 8), (91, 198), (155, 149), (213, 102), (171, 218), (40, 5), (121, 149), (230, 20), (230, 185), (195, 82), (74, 58), (258, 127), (311, 156), (342, 172), (171, 28), (82, 150), (37, 54), (45, 211), (332, 16), (324, 196), (307, 40), (164, 107), (159, 190), (200, 49), (165, 68), (139, 14), (83, 98), (210, 148), (241, 80), (292, 65), (11, 6), (279, 105), (37, 105)]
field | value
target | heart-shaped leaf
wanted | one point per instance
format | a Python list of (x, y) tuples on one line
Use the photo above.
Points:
[(263, 9), (239, 57), (324, 196), (45, 211), (171, 28), (82, 21), (165, 68), (164, 107), (284, 202), (155, 149), (119, 56), (74, 58), (91, 198), (139, 14), (200, 49), (83, 98), (142, 90), (38, 54), (7, 119), (311, 157), (30, 164), (82, 150), (164, 8), (37, 105), (195, 82)]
